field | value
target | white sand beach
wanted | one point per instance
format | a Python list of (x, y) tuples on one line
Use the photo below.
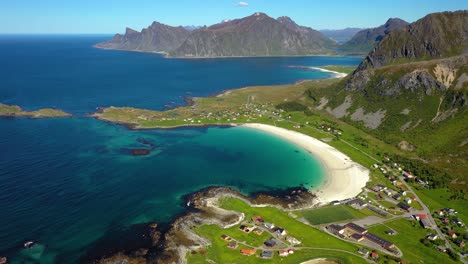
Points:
[(335, 73), (344, 177)]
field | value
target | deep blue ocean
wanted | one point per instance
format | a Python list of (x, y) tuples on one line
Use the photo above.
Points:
[(69, 184)]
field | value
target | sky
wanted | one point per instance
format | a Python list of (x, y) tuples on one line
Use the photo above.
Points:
[(113, 16)]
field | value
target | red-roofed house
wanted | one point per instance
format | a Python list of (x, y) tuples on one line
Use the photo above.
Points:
[(248, 252), (374, 255), (283, 253), (452, 234), (422, 216)]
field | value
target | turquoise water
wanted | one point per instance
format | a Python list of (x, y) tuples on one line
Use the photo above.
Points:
[(71, 185)]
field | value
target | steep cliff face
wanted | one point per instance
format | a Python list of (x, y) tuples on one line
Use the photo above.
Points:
[(435, 36), (366, 40), (155, 38), (256, 35)]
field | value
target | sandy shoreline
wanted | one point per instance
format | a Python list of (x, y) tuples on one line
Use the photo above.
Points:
[(335, 73), (344, 177)]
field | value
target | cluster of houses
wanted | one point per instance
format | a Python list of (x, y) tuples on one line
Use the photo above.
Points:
[(259, 226), (448, 218), (330, 129), (358, 234)]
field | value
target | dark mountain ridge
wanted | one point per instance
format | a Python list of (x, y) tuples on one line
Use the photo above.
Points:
[(255, 35)]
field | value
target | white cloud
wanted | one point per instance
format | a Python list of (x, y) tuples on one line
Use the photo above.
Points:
[(242, 4)]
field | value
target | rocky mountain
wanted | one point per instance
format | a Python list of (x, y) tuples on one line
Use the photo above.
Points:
[(435, 36), (255, 35), (412, 91), (341, 36), (366, 40), (155, 38)]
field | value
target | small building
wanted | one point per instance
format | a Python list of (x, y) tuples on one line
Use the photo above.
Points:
[(356, 228), (441, 249), (336, 229), (375, 256), (266, 254), (271, 243), (233, 244), (396, 197), (357, 203), (357, 237), (280, 231), (248, 252), (293, 240), (425, 223), (439, 213), (258, 220), (432, 237), (246, 229), (363, 251), (226, 238), (452, 234), (460, 243), (269, 225), (403, 193), (258, 231), (379, 241), (391, 232), (405, 206), (283, 253), (408, 200)]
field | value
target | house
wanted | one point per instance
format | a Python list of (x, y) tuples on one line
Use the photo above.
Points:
[(439, 213), (258, 220), (432, 237), (232, 244), (357, 203), (441, 249), (280, 231), (452, 234), (460, 243), (335, 203), (226, 238), (356, 228), (357, 237), (407, 174), (396, 197), (408, 200), (271, 243), (379, 241), (246, 229), (374, 255), (363, 251), (248, 252), (405, 206), (269, 225), (336, 229), (446, 220), (403, 193), (266, 254), (391, 232), (291, 251), (283, 253), (425, 223), (293, 240), (258, 231)]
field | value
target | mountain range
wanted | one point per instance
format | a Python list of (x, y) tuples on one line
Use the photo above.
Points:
[(255, 35)]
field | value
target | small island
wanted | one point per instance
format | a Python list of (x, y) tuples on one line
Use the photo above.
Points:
[(16, 111)]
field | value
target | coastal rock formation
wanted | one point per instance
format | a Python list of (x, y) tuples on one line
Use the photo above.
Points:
[(174, 243), (155, 38), (367, 39), (255, 35)]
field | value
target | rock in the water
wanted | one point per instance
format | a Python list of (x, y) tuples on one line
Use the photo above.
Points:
[(140, 152)]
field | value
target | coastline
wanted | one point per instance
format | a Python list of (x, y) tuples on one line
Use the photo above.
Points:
[(335, 74), (344, 178)]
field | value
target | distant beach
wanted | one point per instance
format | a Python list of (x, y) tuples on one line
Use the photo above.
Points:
[(344, 178), (334, 73)]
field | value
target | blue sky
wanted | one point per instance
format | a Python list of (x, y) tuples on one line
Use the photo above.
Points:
[(111, 16)]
